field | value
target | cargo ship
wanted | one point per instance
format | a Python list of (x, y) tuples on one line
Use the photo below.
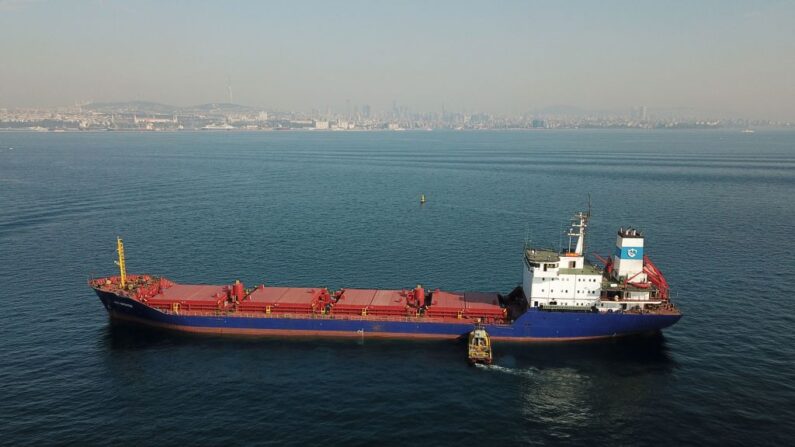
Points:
[(563, 296)]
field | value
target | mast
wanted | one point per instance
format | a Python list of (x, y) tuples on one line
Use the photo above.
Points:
[(582, 226), (578, 225), (120, 262), (585, 224), (578, 230)]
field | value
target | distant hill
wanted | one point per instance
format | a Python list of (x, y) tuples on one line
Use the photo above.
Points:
[(149, 107), (562, 110), (221, 107), (132, 107)]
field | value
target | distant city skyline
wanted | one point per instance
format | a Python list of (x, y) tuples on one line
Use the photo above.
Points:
[(726, 58), (149, 116)]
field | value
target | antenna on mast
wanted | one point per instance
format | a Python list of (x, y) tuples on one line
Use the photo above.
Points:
[(589, 204), (578, 229), (585, 224)]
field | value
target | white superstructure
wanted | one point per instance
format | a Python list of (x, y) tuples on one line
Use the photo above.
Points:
[(555, 280), (562, 279)]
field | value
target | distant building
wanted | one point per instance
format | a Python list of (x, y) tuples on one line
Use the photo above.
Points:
[(300, 124), (539, 124), (321, 124), (342, 125), (639, 114)]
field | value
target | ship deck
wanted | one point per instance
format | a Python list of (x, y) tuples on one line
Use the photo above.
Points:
[(302, 302)]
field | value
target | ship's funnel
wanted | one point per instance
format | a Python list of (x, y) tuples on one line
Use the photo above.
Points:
[(628, 256)]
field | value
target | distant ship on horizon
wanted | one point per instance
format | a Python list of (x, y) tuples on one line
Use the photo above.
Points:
[(215, 126)]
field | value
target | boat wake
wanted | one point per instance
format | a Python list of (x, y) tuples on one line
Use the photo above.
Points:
[(529, 372)]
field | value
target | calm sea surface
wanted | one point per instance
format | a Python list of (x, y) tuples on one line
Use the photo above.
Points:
[(341, 209)]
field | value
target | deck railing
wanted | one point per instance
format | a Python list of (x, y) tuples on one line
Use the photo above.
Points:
[(330, 316)]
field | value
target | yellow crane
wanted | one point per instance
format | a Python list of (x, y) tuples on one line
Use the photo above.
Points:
[(120, 262)]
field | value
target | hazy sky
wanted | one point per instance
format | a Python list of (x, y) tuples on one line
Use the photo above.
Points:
[(736, 58)]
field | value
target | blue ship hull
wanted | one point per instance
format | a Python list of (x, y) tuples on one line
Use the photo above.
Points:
[(533, 325)]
